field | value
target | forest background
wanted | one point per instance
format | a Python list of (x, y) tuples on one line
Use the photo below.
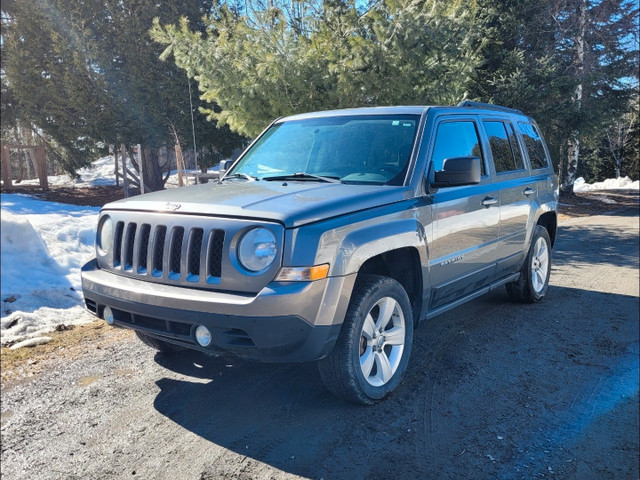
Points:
[(79, 77)]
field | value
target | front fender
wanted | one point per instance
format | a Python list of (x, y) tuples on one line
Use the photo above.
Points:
[(345, 243), (364, 243)]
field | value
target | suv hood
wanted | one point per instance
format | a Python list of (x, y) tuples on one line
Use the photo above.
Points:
[(291, 203)]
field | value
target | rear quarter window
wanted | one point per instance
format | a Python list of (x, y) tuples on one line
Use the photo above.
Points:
[(534, 146)]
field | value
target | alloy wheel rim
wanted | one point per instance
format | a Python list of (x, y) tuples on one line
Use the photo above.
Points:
[(539, 265), (382, 342)]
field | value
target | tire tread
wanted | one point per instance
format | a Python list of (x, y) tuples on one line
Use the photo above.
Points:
[(337, 369)]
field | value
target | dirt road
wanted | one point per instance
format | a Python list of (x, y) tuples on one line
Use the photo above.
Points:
[(494, 390)]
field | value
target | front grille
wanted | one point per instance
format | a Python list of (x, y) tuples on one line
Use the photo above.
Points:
[(184, 250), (176, 253)]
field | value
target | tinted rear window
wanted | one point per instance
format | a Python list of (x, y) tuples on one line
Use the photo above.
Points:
[(533, 144), (504, 147)]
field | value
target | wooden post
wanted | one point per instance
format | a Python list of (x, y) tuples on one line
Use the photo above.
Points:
[(179, 163), (6, 167), (125, 180), (116, 170), (41, 161), (141, 167)]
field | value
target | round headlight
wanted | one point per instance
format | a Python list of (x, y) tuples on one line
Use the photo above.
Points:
[(105, 235), (257, 249)]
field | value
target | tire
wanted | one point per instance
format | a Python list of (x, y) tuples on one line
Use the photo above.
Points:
[(373, 348), (160, 345), (534, 274)]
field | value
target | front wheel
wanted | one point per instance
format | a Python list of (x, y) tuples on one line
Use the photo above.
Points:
[(534, 274), (373, 348)]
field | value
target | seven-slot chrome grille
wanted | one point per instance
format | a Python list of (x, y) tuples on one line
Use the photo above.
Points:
[(185, 250), (168, 252)]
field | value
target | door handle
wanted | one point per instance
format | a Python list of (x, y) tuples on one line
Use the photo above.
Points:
[(529, 191), (488, 201)]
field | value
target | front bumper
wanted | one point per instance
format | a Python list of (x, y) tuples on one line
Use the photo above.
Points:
[(285, 322)]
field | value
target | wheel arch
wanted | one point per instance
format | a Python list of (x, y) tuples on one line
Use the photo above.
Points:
[(549, 221), (404, 266)]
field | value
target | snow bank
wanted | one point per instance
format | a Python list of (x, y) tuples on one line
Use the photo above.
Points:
[(43, 246), (622, 183)]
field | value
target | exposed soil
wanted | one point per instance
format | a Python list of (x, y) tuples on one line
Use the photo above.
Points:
[(68, 343), (83, 196), (597, 203)]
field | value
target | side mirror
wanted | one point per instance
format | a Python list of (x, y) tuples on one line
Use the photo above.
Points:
[(223, 167), (457, 171)]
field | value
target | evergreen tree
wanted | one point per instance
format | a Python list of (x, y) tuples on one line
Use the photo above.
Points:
[(260, 64), (88, 73), (573, 63)]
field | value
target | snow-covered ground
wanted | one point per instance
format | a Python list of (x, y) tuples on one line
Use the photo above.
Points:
[(622, 183), (44, 245)]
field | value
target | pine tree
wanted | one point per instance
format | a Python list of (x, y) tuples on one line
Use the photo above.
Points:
[(88, 73), (264, 64), (567, 63)]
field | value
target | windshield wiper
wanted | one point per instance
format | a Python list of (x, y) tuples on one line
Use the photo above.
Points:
[(239, 175), (303, 176)]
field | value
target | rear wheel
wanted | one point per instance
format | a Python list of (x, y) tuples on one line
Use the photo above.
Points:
[(373, 348), (534, 274), (161, 346)]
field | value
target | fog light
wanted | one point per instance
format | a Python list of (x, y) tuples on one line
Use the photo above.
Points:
[(107, 314), (203, 336)]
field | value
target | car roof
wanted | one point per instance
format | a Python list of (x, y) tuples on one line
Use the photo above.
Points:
[(395, 110), (407, 110)]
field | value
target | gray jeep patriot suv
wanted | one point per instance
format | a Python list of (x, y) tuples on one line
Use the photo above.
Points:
[(332, 237)]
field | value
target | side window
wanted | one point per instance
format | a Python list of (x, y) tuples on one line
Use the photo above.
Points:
[(504, 147), (515, 147), (456, 139), (533, 143)]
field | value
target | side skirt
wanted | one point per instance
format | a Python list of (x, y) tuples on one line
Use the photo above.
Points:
[(445, 308)]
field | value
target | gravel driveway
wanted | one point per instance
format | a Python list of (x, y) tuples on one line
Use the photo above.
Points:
[(494, 390)]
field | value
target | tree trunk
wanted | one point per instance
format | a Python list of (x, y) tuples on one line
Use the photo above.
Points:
[(573, 143), (152, 172), (573, 154), (116, 170), (125, 180)]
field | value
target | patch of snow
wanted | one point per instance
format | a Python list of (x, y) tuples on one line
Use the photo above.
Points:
[(43, 246), (100, 172), (32, 342), (622, 183)]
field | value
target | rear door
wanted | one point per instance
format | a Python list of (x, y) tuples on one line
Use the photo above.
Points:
[(465, 219), (517, 192)]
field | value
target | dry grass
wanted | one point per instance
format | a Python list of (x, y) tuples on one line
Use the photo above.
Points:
[(30, 361)]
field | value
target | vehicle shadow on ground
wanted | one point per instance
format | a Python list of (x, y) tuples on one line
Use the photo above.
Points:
[(614, 247), (493, 388)]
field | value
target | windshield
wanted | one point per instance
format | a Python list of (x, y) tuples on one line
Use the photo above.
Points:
[(351, 149)]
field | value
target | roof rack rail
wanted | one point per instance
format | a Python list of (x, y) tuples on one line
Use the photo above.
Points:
[(469, 103)]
